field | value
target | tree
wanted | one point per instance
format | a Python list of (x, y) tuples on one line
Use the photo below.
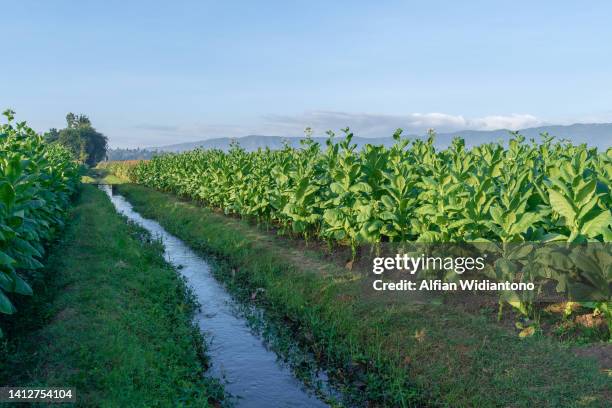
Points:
[(86, 143), (52, 135)]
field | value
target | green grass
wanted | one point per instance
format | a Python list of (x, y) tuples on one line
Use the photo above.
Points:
[(109, 317), (395, 354), (101, 176)]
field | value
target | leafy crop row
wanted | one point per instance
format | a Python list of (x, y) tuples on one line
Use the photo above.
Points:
[(36, 182), (411, 192), (121, 169), (528, 192)]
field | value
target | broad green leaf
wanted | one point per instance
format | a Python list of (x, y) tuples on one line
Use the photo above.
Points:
[(562, 205), (597, 225), (22, 287), (6, 260), (586, 193), (7, 194), (6, 306)]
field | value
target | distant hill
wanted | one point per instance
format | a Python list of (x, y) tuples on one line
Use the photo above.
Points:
[(594, 134), (129, 154)]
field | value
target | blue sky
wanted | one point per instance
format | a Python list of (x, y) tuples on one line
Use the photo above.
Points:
[(151, 73)]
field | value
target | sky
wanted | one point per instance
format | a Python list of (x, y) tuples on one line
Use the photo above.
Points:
[(151, 73)]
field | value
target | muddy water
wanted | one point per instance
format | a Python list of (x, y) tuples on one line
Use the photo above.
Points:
[(252, 373)]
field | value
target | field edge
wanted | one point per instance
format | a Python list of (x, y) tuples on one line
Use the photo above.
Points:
[(111, 318), (329, 319)]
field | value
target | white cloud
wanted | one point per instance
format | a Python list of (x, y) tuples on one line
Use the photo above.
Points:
[(362, 124), (373, 125), (512, 122)]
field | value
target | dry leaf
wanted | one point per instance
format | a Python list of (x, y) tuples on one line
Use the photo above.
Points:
[(527, 332), (419, 335)]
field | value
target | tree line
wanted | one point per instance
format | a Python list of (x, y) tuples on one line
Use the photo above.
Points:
[(86, 144)]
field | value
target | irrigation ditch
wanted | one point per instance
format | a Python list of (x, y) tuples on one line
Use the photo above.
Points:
[(373, 352), (255, 357)]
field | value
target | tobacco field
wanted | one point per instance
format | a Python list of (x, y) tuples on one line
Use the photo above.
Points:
[(526, 192), (37, 181)]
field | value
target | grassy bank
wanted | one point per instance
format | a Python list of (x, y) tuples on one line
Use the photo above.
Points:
[(100, 175), (400, 354), (109, 317)]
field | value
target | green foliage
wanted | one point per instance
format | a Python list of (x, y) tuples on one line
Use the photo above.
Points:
[(36, 182), (87, 145), (525, 192), (112, 319), (409, 192), (394, 351), (121, 169)]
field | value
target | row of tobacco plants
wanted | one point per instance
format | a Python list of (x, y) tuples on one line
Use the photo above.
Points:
[(37, 181), (494, 195)]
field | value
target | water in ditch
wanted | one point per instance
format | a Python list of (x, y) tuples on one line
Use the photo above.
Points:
[(252, 373)]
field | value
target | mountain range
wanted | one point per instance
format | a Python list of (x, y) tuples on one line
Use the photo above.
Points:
[(594, 134)]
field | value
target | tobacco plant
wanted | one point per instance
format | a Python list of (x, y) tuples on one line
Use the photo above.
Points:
[(36, 182), (507, 197)]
